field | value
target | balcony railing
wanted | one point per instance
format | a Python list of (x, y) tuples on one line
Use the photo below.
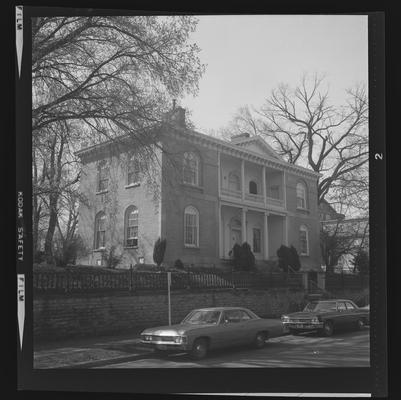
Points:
[(257, 198), (275, 202), (231, 193)]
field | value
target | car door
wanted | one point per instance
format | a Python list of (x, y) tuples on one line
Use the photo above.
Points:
[(353, 313), (231, 327), (342, 315)]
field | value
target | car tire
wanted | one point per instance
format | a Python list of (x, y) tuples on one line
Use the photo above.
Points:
[(327, 329), (260, 340), (199, 349)]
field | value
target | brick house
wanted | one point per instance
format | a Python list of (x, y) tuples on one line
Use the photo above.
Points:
[(206, 195)]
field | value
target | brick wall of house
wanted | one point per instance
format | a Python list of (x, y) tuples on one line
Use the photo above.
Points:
[(309, 218), (114, 203), (176, 196)]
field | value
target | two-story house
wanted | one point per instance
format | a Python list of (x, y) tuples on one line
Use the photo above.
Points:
[(210, 194)]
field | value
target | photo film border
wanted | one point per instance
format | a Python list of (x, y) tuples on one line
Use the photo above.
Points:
[(351, 380)]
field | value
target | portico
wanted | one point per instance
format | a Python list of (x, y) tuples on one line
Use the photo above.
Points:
[(263, 230)]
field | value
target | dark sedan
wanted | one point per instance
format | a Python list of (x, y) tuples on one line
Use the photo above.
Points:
[(212, 328), (325, 316)]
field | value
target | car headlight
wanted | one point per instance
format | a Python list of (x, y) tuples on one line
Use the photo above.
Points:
[(180, 339), (315, 320), (285, 318), (147, 337)]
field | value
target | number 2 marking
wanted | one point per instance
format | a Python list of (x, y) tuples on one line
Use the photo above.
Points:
[(379, 156)]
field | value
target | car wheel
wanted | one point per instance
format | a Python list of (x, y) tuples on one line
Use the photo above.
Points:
[(260, 340), (328, 328), (199, 349)]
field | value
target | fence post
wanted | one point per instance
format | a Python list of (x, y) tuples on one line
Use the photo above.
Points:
[(232, 278), (130, 278)]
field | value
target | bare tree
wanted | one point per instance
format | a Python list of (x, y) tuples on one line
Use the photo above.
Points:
[(98, 78), (307, 130)]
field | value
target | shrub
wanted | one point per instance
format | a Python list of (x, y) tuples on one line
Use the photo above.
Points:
[(159, 250), (110, 258), (178, 264), (235, 254), (65, 252), (288, 256), (247, 257), (361, 262)]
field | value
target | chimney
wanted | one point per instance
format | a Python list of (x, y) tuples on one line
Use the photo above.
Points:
[(177, 116), (237, 138)]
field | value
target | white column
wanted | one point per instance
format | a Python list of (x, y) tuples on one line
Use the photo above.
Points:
[(265, 237), (264, 184), (243, 179), (285, 230), (218, 173), (243, 224), (284, 191), (221, 253)]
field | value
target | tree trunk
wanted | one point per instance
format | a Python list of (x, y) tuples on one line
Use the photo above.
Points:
[(51, 229)]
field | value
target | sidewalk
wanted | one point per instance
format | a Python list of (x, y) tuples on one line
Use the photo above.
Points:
[(85, 352)]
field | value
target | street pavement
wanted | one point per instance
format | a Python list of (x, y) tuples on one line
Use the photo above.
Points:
[(344, 349)]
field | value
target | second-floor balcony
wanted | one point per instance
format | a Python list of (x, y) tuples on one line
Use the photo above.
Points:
[(246, 182)]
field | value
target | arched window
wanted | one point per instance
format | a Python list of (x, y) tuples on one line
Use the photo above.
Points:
[(100, 230), (191, 168), (301, 195), (133, 171), (191, 227), (102, 176), (234, 182), (131, 227), (253, 187), (303, 240)]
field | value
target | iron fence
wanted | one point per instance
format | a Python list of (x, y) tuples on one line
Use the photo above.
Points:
[(130, 280)]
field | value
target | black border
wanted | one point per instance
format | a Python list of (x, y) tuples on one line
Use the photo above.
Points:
[(346, 380)]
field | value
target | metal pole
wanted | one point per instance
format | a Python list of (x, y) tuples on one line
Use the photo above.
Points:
[(169, 296)]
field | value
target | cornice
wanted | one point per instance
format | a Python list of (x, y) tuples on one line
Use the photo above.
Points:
[(211, 143)]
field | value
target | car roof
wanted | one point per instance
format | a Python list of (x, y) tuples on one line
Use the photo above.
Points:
[(330, 300), (219, 308)]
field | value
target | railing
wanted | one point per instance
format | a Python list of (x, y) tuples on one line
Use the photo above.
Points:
[(258, 198), (61, 282), (346, 281), (231, 193), (275, 202)]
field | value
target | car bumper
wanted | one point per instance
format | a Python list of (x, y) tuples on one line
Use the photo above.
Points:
[(304, 326), (167, 346)]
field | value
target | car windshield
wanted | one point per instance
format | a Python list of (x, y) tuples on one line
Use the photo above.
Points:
[(202, 317), (321, 306)]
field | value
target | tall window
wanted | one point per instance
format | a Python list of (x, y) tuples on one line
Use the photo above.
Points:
[(303, 240), (191, 227), (134, 170), (234, 182), (131, 227), (253, 187), (191, 168), (256, 240), (301, 195), (100, 233), (103, 176)]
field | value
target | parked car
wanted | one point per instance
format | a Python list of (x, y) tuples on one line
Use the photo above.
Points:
[(325, 316), (211, 328)]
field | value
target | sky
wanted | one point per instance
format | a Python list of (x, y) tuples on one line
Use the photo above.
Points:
[(247, 56)]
